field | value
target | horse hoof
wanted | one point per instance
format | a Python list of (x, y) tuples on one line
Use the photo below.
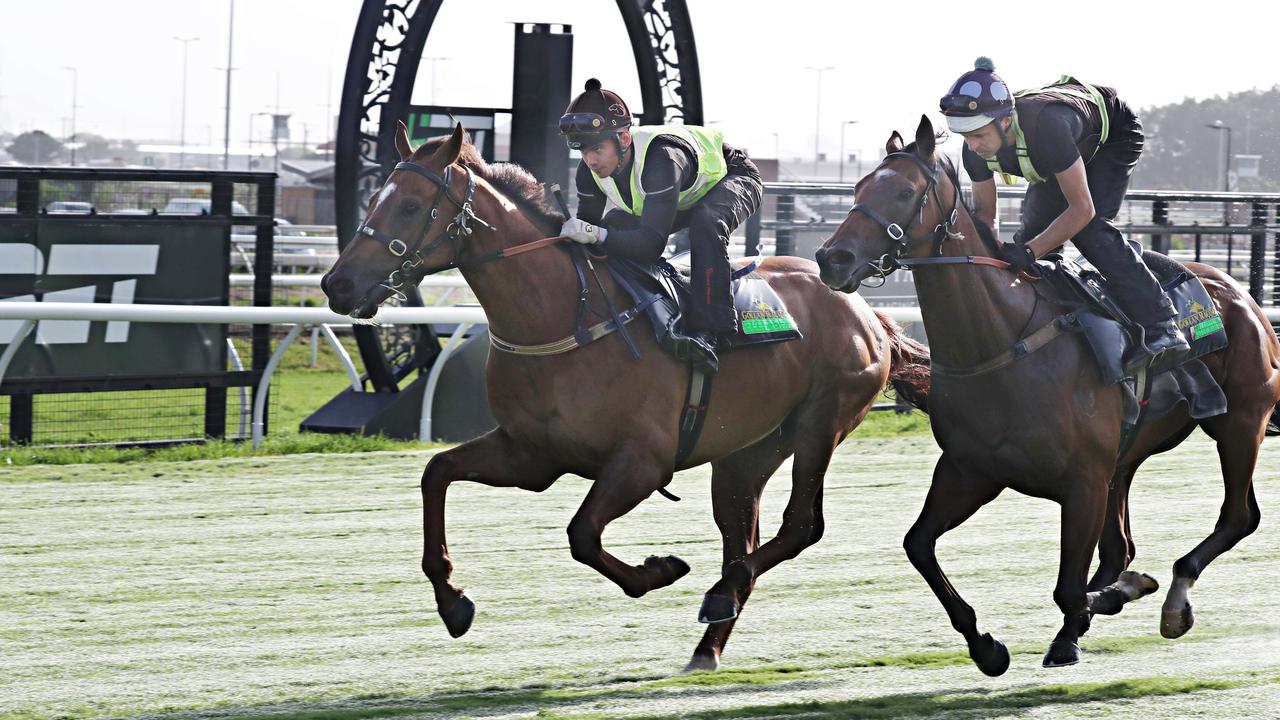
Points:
[(702, 663), (665, 569), (717, 609), (1175, 623), (1107, 601), (1062, 653), (990, 655), (457, 619), (1144, 582)]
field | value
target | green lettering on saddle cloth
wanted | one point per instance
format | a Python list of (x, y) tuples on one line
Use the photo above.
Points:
[(755, 322), (1208, 327), (1202, 319)]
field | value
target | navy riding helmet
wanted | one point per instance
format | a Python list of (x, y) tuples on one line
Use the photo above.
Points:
[(976, 98)]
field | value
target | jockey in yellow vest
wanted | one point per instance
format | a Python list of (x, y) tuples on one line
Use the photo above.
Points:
[(1076, 144), (637, 185)]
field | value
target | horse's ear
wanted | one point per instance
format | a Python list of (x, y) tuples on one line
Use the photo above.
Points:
[(895, 143), (451, 150), (926, 140), (402, 141)]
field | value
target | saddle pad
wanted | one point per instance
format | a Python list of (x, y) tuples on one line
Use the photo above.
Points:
[(762, 315), (1099, 320)]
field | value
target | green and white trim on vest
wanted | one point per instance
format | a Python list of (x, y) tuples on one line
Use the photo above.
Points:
[(706, 144), (1064, 86)]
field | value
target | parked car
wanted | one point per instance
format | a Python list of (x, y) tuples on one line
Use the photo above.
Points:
[(68, 207), (199, 206)]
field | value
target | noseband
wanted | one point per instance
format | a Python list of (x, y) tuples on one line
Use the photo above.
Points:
[(411, 269), (892, 260)]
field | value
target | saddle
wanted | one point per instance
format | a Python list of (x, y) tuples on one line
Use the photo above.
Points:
[(663, 290), (1151, 390)]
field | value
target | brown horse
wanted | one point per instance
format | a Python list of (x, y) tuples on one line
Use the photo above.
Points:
[(596, 412), (1044, 424)]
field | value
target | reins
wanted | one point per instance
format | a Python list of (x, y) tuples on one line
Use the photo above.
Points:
[(943, 231), (413, 269)]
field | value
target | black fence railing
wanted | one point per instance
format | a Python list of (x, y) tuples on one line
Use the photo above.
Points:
[(1202, 226), (117, 235)]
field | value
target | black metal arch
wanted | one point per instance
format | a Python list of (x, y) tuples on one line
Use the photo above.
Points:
[(382, 67)]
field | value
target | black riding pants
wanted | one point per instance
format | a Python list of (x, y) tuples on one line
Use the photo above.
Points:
[(726, 206), (1101, 242)]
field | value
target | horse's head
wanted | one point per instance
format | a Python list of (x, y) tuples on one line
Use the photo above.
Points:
[(416, 225), (892, 216)]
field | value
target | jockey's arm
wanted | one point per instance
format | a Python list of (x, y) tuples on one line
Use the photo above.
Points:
[(665, 170), (591, 199), (984, 203), (1075, 189)]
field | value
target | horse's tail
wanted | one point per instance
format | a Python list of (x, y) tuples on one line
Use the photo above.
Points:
[(909, 365)]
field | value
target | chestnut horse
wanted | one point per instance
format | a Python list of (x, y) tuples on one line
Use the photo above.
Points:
[(1045, 424), (598, 413)]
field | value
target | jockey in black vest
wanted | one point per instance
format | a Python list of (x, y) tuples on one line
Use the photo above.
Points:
[(638, 185), (1076, 144)]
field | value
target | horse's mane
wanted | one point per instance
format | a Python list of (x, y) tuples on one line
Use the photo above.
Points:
[(516, 183)]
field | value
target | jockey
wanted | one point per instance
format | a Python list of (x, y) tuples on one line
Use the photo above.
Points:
[(638, 185), (1076, 144)]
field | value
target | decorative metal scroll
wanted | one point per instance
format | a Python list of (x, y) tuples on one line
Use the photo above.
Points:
[(383, 65)]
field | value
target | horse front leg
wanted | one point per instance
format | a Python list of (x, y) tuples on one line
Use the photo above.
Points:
[(492, 459), (624, 482), (1084, 510), (1113, 584), (954, 497)]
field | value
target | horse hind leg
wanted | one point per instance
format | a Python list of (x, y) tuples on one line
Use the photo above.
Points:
[(737, 482), (802, 522), (492, 459), (1237, 519)]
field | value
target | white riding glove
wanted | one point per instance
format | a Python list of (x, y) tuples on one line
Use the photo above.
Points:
[(583, 232)]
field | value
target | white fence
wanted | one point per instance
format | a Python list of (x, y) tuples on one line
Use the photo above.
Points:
[(465, 317), (29, 313)]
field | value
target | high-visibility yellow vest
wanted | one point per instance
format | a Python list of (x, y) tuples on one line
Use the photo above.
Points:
[(707, 145), (1064, 86)]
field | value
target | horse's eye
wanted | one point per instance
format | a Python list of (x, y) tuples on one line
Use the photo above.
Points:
[(410, 208)]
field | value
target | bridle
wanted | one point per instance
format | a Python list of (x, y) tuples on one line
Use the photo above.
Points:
[(944, 230), (411, 270)]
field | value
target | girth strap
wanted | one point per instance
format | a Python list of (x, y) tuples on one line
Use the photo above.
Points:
[(1020, 349), (564, 345), (694, 413)]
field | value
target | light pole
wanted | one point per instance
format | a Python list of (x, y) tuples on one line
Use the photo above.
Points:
[(817, 116), (182, 132), (843, 125), (226, 121), (74, 81), (1224, 141)]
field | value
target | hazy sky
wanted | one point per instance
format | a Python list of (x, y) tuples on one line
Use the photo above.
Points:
[(891, 60)]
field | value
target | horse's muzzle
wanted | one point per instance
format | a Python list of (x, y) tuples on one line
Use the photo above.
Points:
[(835, 267)]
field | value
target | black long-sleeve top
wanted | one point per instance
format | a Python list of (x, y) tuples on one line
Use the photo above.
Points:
[(669, 167)]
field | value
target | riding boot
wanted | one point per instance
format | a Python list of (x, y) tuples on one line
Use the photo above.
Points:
[(1135, 289)]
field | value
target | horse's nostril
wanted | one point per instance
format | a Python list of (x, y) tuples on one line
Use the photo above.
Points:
[(336, 287), (839, 258)]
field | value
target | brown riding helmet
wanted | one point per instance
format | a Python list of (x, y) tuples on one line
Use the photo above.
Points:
[(594, 116)]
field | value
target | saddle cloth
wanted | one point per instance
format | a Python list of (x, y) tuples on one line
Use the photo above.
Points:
[(762, 315), (1095, 315)]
